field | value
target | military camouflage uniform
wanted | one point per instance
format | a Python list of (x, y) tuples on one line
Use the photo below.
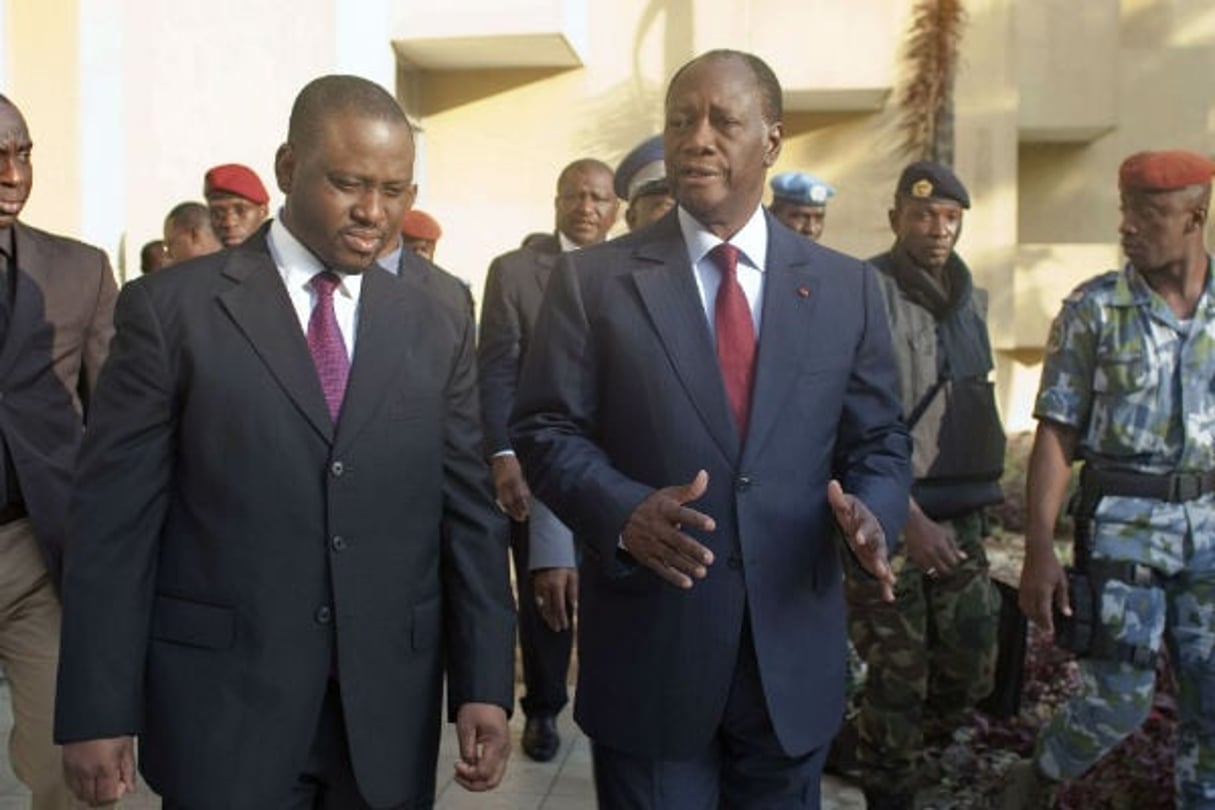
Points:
[(1139, 387), (931, 653)]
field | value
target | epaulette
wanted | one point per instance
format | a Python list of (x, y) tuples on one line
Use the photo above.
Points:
[(1099, 283)]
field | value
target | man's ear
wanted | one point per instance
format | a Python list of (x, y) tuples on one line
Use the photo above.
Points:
[(776, 134), (284, 167)]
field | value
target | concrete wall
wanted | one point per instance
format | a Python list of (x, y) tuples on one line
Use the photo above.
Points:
[(129, 101)]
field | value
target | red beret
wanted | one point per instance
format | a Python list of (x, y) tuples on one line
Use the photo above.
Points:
[(420, 225), (233, 178), (1162, 171)]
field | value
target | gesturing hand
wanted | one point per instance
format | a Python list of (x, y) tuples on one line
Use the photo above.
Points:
[(653, 534), (864, 536)]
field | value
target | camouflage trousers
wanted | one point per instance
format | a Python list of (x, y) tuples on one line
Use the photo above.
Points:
[(1117, 696), (930, 655)]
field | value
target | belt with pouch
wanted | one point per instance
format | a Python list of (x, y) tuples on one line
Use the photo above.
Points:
[(1170, 487)]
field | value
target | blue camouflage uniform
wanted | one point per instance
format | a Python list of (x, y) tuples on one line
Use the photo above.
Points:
[(1138, 385)]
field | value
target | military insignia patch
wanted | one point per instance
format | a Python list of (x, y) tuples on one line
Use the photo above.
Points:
[(922, 188), (1055, 341)]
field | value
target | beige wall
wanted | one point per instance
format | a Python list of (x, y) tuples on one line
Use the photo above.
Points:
[(40, 48), (1051, 96)]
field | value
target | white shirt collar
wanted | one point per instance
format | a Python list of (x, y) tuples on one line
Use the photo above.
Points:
[(567, 244), (297, 264), (751, 239)]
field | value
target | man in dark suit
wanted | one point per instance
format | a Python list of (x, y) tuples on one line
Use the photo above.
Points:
[(543, 549), (283, 532), (56, 309), (719, 349)]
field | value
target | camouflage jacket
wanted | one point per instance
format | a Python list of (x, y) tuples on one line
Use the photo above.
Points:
[(1138, 385)]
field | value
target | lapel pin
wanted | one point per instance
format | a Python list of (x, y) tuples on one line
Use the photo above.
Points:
[(803, 292)]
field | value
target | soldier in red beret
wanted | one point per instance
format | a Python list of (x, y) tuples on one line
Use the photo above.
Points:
[(1126, 388), (420, 232), (237, 200)]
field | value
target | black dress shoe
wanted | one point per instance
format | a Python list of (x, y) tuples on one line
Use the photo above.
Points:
[(876, 800), (540, 738)]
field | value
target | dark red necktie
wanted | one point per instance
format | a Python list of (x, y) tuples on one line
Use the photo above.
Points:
[(325, 342), (735, 334)]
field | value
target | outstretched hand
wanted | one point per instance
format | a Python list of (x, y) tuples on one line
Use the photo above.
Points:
[(654, 534), (864, 536)]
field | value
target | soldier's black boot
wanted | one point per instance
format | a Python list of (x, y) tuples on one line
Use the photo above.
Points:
[(878, 800)]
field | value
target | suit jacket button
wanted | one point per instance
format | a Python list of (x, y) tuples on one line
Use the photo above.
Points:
[(337, 468), (323, 615), (735, 562), (742, 483), (338, 543)]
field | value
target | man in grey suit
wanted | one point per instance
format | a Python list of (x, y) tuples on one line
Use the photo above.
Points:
[(283, 536), (543, 549), (56, 311), (706, 398)]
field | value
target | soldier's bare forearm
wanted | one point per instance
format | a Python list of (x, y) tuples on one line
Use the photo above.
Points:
[(1049, 471)]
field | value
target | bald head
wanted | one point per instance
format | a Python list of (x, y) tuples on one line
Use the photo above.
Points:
[(188, 232), (16, 165), (330, 96)]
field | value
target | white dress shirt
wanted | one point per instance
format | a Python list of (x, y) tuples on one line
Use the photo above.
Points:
[(752, 243), (297, 265)]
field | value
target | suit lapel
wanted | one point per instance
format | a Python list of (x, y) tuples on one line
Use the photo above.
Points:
[(545, 262), (378, 351), (789, 301), (32, 271), (259, 305), (672, 299)]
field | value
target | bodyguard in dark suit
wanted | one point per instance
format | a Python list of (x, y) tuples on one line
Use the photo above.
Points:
[(56, 310), (704, 400), (541, 545), (283, 536)]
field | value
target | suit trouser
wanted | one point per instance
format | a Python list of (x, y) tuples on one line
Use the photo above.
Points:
[(545, 653), (742, 768), (30, 617)]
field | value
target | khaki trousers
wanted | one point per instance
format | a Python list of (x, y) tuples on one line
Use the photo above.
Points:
[(30, 616)]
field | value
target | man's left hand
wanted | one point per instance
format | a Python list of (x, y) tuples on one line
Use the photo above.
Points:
[(484, 746), (864, 536)]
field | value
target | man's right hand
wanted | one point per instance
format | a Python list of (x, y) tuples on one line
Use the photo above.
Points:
[(1043, 585), (102, 771), (556, 591), (509, 487), (932, 547), (654, 538)]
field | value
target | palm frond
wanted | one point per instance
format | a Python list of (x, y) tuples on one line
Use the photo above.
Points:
[(925, 98)]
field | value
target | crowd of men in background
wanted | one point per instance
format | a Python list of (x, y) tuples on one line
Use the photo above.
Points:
[(844, 457)]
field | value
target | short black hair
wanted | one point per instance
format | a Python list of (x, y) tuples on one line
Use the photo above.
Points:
[(769, 86), (583, 165), (327, 95), (190, 215)]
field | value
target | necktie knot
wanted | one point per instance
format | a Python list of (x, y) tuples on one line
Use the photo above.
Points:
[(725, 256), (325, 282)]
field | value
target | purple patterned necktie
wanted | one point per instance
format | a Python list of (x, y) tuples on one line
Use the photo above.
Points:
[(325, 342)]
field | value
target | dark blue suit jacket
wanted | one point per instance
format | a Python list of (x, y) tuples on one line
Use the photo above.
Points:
[(621, 394)]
